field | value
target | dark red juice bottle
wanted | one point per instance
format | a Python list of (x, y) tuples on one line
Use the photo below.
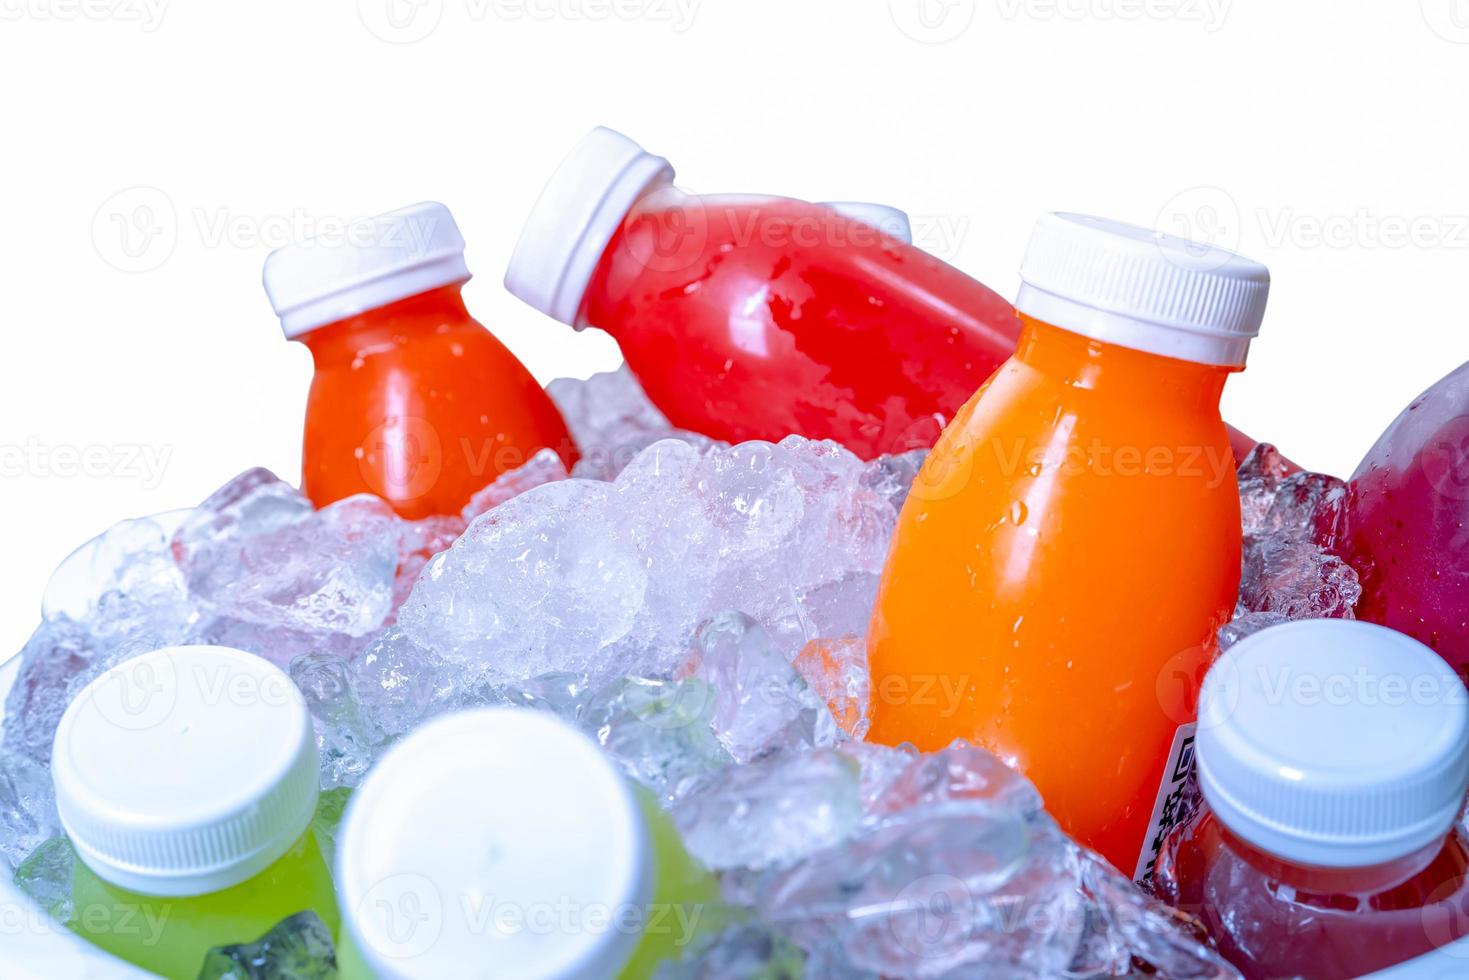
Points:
[(1333, 758)]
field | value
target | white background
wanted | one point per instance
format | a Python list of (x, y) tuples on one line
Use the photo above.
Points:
[(155, 150)]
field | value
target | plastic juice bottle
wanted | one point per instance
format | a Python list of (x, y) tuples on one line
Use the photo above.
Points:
[(186, 779), (754, 317), (1408, 522), (1073, 541), (412, 400), (1333, 757), (502, 842)]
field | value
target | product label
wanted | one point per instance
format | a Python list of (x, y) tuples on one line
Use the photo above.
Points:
[(1170, 797)]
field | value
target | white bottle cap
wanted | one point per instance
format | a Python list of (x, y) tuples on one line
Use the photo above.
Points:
[(365, 265), (578, 212), (1334, 743), (500, 842), (185, 770), (1142, 289), (888, 220)]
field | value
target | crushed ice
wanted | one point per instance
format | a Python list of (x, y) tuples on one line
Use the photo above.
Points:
[(698, 608)]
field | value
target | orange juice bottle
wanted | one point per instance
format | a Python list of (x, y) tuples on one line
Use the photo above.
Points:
[(412, 400), (1073, 541)]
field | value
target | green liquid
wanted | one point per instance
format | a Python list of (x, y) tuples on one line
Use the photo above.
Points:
[(170, 936), (685, 901)]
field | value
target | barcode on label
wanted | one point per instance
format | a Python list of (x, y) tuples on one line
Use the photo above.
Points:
[(1170, 796)]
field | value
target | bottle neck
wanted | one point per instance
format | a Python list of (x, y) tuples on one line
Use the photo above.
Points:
[(1094, 365), (1365, 880), (433, 312)]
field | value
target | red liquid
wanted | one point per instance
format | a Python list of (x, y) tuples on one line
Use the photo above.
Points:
[(754, 318), (419, 404), (757, 317), (1272, 919), (1408, 522)]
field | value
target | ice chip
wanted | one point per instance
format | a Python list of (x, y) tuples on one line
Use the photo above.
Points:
[(1291, 523), (1128, 927), (257, 552), (1248, 625), (27, 807), (611, 580), (346, 737), (399, 684), (929, 890), (543, 583), (658, 731), (130, 558), (891, 477), (45, 878), (960, 772), (836, 671), (746, 951), (1297, 579), (299, 948), (612, 421), (761, 703), (544, 467), (772, 811)]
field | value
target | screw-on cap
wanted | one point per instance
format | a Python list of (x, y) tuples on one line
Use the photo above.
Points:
[(367, 264), (1142, 289), (888, 220), (497, 836), (1334, 743), (185, 770), (578, 212)]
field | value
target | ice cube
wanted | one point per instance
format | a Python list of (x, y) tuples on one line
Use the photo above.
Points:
[(398, 682), (1291, 523), (27, 807), (45, 878), (1296, 578), (346, 737), (612, 580), (299, 948), (746, 950), (928, 890), (836, 671), (772, 811), (658, 731), (1248, 625), (256, 551), (960, 772), (1299, 505), (130, 558), (546, 582), (544, 467), (612, 421), (1127, 927), (761, 704)]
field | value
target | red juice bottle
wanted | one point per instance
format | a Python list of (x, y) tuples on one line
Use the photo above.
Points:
[(754, 317), (1408, 522), (1333, 758), (412, 399)]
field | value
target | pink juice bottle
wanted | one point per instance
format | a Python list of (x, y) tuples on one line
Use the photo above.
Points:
[(1408, 522), (1333, 758), (755, 317)]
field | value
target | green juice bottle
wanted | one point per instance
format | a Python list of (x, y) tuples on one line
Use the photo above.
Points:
[(186, 780), (503, 843)]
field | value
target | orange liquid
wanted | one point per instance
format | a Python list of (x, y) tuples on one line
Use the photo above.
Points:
[(419, 404), (1057, 575)]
